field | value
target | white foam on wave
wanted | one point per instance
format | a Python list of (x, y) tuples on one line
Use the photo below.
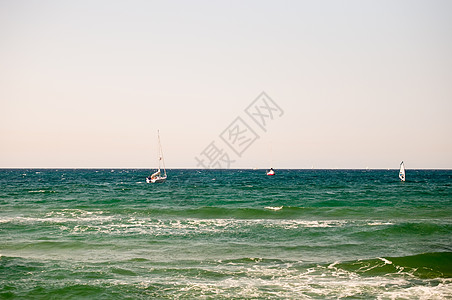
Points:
[(379, 223), (181, 227), (77, 220), (275, 208), (187, 226), (333, 265), (276, 280), (54, 219), (293, 224), (387, 262), (443, 290), (63, 216)]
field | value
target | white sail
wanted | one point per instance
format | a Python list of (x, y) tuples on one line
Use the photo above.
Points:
[(156, 173), (402, 171), (157, 176), (161, 159)]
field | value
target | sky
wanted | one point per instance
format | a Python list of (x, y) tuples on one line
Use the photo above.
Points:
[(348, 84)]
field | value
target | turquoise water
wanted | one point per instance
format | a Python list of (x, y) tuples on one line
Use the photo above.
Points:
[(302, 234)]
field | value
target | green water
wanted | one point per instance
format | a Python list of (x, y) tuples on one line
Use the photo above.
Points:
[(302, 234)]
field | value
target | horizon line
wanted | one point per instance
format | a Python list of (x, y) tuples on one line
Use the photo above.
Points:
[(182, 168)]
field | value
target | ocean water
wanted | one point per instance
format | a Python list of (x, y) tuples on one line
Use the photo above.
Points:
[(220, 234)]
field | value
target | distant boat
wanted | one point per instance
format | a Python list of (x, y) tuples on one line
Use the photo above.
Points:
[(157, 176), (402, 171), (271, 172)]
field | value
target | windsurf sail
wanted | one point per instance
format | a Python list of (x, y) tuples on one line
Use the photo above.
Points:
[(402, 171)]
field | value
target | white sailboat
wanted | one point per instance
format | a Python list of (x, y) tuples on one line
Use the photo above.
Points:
[(158, 176), (402, 171)]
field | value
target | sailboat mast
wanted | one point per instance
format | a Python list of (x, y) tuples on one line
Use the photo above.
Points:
[(161, 153)]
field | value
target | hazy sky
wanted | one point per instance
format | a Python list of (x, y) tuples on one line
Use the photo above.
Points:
[(360, 83)]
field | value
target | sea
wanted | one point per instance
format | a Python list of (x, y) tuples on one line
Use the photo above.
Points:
[(225, 234)]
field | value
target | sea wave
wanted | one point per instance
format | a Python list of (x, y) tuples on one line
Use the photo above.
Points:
[(425, 265), (101, 221), (422, 276)]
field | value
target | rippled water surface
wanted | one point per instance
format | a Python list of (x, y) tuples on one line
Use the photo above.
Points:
[(303, 234)]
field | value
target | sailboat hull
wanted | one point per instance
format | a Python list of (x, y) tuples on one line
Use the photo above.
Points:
[(156, 180)]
